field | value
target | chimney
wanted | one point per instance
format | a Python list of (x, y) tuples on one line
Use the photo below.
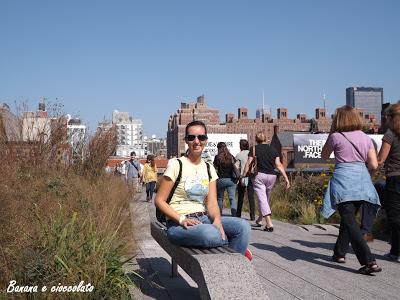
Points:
[(282, 113), (42, 106), (41, 112), (242, 113), (320, 113), (229, 118)]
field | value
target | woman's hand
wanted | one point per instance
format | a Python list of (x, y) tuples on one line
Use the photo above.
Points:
[(190, 222), (287, 183), (217, 223), (247, 166), (383, 153), (281, 170)]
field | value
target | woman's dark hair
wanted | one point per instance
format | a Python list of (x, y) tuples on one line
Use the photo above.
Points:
[(224, 156), (195, 123), (393, 120), (150, 160), (244, 144)]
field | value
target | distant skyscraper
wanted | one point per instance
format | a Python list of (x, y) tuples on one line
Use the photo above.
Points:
[(369, 99), (266, 111), (130, 134)]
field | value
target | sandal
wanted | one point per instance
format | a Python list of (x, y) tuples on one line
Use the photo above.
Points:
[(256, 225), (338, 259), (368, 269), (269, 229)]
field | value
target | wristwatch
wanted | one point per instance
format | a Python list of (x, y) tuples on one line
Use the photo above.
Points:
[(181, 219)]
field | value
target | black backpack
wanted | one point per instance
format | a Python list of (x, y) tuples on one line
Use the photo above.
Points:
[(159, 214)]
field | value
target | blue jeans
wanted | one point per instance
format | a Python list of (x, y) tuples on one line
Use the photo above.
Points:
[(206, 235), (150, 189), (226, 184)]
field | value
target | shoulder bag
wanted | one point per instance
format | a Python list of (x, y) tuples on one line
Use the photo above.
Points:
[(354, 146), (253, 170), (235, 176)]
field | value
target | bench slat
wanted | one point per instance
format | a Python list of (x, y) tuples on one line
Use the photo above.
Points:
[(196, 250), (190, 251)]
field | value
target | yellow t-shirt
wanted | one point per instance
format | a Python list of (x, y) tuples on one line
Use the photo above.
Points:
[(192, 189), (149, 174)]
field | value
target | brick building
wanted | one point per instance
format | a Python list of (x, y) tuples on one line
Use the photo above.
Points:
[(29, 136), (198, 110)]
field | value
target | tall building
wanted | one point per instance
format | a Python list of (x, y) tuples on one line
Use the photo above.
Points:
[(369, 99), (187, 113), (130, 134)]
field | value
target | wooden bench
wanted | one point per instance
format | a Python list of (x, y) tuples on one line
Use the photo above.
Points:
[(220, 273)]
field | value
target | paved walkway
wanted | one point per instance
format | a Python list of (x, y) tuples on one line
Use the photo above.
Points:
[(293, 262)]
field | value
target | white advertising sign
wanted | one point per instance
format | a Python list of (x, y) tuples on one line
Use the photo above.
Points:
[(231, 141), (308, 147)]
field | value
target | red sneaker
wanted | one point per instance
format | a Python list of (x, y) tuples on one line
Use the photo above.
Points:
[(248, 254)]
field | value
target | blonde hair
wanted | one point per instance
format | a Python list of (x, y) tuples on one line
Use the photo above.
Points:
[(261, 137), (393, 121), (346, 119)]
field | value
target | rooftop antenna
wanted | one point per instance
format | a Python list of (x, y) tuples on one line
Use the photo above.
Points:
[(263, 107), (324, 98)]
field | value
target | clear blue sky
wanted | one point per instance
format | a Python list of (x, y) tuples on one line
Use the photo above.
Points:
[(145, 57)]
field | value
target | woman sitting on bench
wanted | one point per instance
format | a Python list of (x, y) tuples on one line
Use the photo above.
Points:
[(193, 216)]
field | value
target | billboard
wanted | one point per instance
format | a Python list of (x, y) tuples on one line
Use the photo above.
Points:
[(308, 147), (231, 140)]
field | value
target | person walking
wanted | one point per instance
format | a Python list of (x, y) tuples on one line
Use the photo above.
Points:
[(193, 216), (390, 155), (245, 183), (350, 186), (133, 172), (223, 163), (150, 176), (267, 159)]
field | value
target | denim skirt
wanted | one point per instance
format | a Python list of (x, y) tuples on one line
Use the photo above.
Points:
[(349, 182)]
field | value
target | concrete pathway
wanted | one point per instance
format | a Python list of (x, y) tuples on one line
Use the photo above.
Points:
[(293, 262)]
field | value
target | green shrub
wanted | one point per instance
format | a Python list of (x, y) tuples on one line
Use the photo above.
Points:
[(299, 204)]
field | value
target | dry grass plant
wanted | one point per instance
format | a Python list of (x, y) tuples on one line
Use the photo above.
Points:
[(63, 219)]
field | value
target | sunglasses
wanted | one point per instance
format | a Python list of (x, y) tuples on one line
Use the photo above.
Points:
[(192, 137)]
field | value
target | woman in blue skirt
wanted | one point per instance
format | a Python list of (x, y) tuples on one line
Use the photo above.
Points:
[(350, 186)]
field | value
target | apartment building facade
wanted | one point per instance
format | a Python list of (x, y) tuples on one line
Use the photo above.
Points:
[(129, 134)]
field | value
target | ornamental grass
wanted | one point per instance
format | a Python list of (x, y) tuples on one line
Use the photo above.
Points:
[(63, 220)]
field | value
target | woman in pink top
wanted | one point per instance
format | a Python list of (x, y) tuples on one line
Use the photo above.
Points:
[(350, 186)]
